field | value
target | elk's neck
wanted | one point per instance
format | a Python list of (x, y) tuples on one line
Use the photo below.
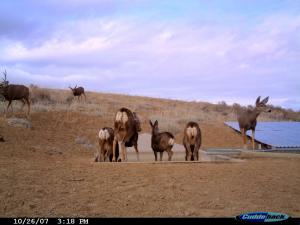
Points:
[(255, 113), (155, 132)]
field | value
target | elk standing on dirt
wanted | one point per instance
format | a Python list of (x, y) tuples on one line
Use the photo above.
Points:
[(161, 142), (126, 128), (248, 119), (192, 141), (78, 91), (14, 92), (105, 150)]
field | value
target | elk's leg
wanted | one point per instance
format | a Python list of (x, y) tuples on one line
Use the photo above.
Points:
[(253, 142), (161, 155), (137, 151), (28, 104), (189, 152), (102, 155), (84, 97), (24, 102), (196, 154), (170, 154), (9, 103), (243, 131), (97, 158), (114, 150), (155, 155), (123, 150)]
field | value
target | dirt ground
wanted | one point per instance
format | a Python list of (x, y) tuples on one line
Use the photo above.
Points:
[(44, 172)]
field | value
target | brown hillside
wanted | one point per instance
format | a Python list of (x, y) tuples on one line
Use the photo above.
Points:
[(44, 172)]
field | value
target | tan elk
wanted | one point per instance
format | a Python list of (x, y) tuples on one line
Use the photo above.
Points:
[(126, 128), (78, 91), (248, 119), (14, 92), (105, 150), (161, 141), (192, 141)]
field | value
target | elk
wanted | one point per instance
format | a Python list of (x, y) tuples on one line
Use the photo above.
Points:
[(14, 92), (78, 91), (126, 128), (161, 142), (192, 141), (105, 150), (247, 119)]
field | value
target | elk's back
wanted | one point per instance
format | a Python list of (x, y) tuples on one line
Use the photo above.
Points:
[(16, 92)]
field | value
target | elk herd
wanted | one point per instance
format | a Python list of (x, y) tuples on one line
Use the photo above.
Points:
[(12, 92), (114, 141)]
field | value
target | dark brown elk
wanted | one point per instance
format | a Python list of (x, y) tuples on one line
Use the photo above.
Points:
[(14, 92), (105, 150), (161, 142), (192, 141), (126, 128), (248, 119), (78, 91)]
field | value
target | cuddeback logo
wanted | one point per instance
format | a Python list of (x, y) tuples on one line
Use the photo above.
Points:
[(262, 217)]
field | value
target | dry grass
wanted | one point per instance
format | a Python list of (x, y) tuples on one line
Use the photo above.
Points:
[(172, 115)]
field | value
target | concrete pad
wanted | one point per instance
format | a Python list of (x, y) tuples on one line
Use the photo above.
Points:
[(146, 153)]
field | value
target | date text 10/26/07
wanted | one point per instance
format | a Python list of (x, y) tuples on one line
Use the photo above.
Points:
[(48, 221)]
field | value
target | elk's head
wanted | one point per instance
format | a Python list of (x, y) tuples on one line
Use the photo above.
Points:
[(261, 106), (154, 127), (73, 89), (4, 82)]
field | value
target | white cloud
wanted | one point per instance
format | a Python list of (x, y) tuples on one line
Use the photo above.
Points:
[(211, 59)]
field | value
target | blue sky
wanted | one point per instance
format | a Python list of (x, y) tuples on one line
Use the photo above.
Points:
[(212, 51)]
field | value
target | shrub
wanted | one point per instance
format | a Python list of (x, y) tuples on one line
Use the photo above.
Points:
[(39, 94)]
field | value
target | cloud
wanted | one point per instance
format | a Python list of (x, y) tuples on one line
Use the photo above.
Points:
[(186, 58)]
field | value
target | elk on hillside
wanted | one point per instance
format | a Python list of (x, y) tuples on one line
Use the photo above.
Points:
[(105, 150), (248, 118), (78, 91), (192, 141), (161, 142), (14, 92), (126, 128)]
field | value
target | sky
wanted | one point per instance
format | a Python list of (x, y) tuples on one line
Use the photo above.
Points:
[(193, 50)]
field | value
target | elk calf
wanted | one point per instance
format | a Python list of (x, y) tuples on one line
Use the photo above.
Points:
[(105, 151), (126, 128), (78, 91), (14, 92), (161, 142), (192, 141), (248, 118)]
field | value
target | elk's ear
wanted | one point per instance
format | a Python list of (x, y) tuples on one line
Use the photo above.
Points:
[(265, 100), (156, 123), (257, 100), (150, 123)]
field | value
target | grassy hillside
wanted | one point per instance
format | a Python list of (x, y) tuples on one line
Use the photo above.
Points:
[(172, 115)]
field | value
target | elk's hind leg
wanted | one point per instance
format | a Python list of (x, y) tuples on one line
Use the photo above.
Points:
[(170, 154), (114, 158), (253, 142), (24, 102), (137, 151), (243, 131), (155, 155), (28, 104), (9, 103), (161, 155)]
